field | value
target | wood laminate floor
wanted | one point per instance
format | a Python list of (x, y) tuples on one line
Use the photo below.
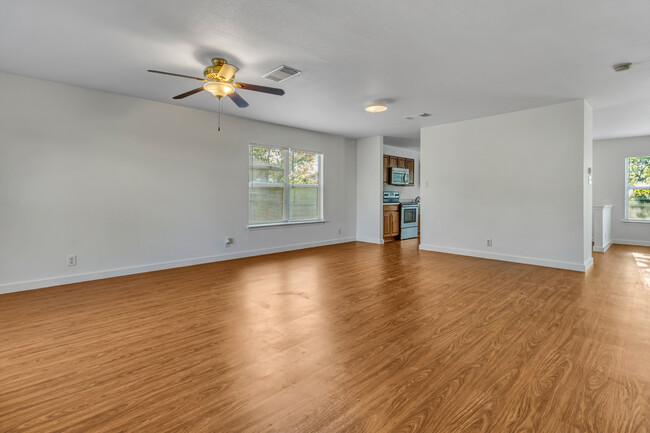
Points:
[(345, 338)]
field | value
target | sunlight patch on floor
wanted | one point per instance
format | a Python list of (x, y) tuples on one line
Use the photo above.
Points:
[(643, 262)]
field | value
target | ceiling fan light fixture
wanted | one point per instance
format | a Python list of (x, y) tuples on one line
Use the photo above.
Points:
[(218, 88), (227, 72), (376, 108)]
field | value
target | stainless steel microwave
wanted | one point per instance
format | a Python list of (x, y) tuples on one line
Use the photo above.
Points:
[(399, 176)]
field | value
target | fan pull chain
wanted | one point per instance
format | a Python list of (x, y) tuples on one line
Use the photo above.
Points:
[(220, 107)]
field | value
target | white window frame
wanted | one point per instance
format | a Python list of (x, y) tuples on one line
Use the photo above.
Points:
[(286, 186), (626, 195)]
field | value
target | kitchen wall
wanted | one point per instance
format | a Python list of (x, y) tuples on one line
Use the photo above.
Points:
[(519, 179), (407, 193), (609, 185), (369, 189), (130, 185)]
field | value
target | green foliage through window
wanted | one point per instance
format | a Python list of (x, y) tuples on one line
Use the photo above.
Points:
[(266, 164), (638, 187), (304, 168), (284, 185)]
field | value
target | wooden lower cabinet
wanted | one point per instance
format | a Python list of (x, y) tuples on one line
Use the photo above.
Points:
[(391, 222)]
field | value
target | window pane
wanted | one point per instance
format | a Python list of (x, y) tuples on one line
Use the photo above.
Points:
[(272, 172), (638, 171), (304, 203), (304, 168), (638, 204), (266, 164), (266, 204)]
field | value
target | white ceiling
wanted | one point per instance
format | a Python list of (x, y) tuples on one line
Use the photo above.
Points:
[(456, 59)]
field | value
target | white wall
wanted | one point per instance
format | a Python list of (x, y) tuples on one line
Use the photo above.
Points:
[(516, 178), (407, 193), (131, 185), (587, 191), (609, 185), (369, 189)]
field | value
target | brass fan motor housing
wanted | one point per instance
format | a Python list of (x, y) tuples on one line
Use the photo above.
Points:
[(212, 72)]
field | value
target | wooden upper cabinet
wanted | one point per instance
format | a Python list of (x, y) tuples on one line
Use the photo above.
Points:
[(410, 164), (398, 161), (386, 168)]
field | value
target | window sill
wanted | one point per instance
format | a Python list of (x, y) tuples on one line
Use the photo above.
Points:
[(636, 221), (283, 224)]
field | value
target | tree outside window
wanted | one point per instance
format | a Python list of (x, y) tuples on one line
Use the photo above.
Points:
[(637, 173), (284, 185)]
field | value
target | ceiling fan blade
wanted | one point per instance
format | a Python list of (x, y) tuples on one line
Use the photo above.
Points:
[(237, 99), (190, 93), (256, 88), (176, 75)]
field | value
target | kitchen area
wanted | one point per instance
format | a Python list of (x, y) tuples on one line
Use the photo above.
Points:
[(401, 192)]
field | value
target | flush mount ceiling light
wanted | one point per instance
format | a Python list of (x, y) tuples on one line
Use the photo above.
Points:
[(622, 66), (376, 108)]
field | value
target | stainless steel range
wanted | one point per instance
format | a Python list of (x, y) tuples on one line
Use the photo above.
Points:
[(409, 214), (391, 197)]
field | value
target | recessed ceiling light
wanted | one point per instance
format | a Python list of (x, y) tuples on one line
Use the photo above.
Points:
[(376, 108), (622, 66)]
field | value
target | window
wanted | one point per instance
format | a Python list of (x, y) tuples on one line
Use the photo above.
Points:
[(637, 188), (284, 185)]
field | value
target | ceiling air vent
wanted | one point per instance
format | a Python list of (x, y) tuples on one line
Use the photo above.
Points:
[(417, 115), (281, 73)]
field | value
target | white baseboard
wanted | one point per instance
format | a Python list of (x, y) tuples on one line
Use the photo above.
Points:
[(627, 242), (370, 240), (602, 249), (118, 272), (581, 267)]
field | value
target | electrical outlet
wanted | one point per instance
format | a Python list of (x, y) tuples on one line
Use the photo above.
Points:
[(489, 242), (228, 242), (72, 260)]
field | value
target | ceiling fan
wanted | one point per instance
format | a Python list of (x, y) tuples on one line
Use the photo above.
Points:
[(219, 79)]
